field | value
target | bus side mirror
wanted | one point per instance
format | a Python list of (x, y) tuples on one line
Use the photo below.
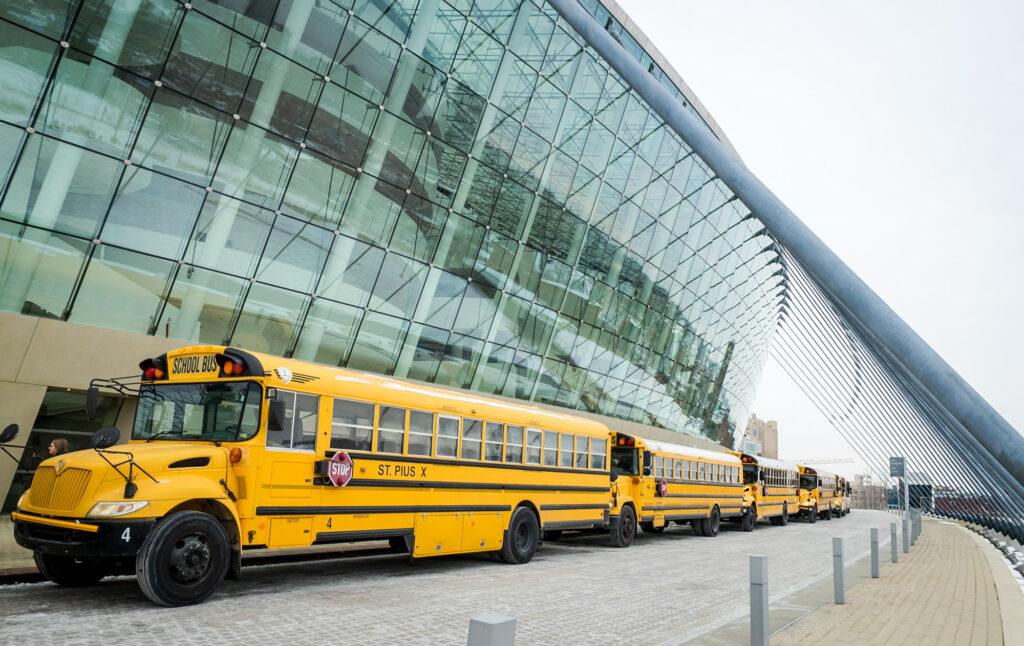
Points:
[(9, 433), (277, 415), (648, 463), (105, 437), (92, 400)]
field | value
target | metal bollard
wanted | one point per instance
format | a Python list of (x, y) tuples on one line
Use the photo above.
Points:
[(759, 601), (893, 544), (492, 630), (906, 535), (838, 569), (874, 553), (913, 527)]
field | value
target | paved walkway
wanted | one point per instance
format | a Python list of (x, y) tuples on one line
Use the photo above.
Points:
[(942, 592)]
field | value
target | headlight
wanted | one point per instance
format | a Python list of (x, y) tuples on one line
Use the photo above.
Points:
[(21, 500), (114, 509)]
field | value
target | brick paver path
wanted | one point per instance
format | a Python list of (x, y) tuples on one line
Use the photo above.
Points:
[(942, 592)]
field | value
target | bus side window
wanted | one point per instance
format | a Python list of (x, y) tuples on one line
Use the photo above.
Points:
[(352, 425), (421, 432), (447, 436), (492, 445), (565, 453), (472, 437), (598, 452), (533, 445), (550, 449), (582, 451), (514, 444), (304, 431), (391, 429), (283, 438), (659, 466), (679, 469)]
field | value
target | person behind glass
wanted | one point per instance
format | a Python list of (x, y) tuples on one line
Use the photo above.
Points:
[(58, 446)]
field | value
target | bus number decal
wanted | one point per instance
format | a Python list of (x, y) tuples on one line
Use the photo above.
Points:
[(401, 471)]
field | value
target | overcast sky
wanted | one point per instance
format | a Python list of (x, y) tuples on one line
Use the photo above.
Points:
[(895, 131)]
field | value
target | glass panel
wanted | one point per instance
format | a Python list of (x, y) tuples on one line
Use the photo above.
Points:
[(229, 236), (391, 429), (472, 433), (88, 104), (268, 319), (378, 343), (351, 271), (210, 63), (418, 229), (461, 356), (550, 449), (282, 438), (137, 38), (352, 425), (582, 451), (341, 125), (514, 444), (659, 466), (359, 45), (38, 270), (447, 436), (533, 445), (318, 189), (152, 213), (421, 432), (25, 61), (255, 166), (295, 254), (50, 17), (121, 290), (399, 285), (328, 332), (61, 187), (321, 32), (598, 450), (493, 441), (181, 137), (281, 96), (215, 296)]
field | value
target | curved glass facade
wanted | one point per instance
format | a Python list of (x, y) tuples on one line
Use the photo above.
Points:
[(452, 191)]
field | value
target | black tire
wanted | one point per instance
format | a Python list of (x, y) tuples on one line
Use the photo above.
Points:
[(521, 538), (698, 527), (552, 534), (749, 518), (812, 516), (784, 518), (69, 571), (713, 523), (625, 532), (828, 514), (649, 528), (183, 559)]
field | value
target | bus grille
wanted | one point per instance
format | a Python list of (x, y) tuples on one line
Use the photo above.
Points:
[(63, 493)]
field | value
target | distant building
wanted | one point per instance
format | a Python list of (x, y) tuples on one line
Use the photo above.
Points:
[(761, 437), (867, 495)]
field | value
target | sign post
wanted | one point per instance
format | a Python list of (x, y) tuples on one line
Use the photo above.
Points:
[(898, 469)]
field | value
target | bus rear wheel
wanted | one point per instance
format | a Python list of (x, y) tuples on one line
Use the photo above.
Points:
[(712, 523), (183, 559), (749, 518), (69, 571), (625, 532), (812, 516), (522, 537)]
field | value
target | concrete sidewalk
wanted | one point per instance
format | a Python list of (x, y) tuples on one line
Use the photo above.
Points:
[(947, 590)]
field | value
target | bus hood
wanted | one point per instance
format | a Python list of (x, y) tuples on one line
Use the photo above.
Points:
[(69, 485)]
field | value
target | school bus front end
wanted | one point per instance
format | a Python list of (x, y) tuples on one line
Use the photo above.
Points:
[(165, 504)]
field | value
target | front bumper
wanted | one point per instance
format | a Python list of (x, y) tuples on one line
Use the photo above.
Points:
[(106, 538)]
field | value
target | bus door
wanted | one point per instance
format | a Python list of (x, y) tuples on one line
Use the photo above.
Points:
[(625, 463), (289, 461)]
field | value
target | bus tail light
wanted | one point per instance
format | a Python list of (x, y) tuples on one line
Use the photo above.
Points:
[(236, 363)]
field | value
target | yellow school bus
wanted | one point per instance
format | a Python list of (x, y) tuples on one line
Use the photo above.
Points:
[(828, 494), (232, 450), (770, 490), (813, 504), (656, 483)]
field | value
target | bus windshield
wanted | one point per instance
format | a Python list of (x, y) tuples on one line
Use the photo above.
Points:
[(624, 462), (224, 411), (808, 482), (749, 473)]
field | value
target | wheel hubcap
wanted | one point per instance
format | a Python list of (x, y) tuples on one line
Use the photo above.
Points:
[(190, 559)]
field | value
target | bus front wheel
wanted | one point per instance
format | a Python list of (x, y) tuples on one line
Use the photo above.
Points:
[(625, 532), (183, 559), (69, 571), (812, 516), (522, 537), (712, 523)]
